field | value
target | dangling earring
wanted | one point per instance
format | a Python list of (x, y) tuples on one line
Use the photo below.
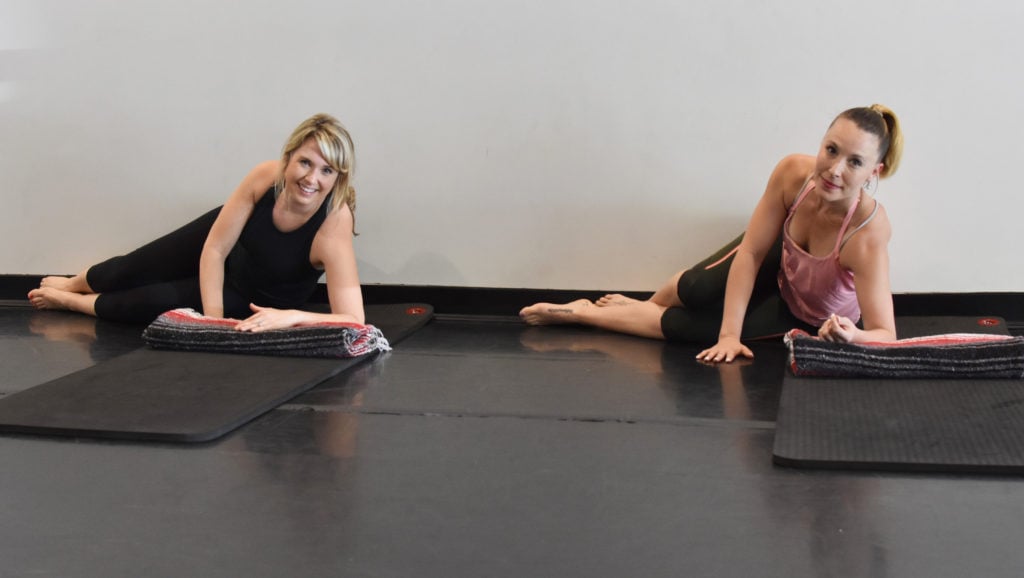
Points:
[(871, 185)]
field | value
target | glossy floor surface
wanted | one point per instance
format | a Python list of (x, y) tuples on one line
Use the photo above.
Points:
[(480, 448)]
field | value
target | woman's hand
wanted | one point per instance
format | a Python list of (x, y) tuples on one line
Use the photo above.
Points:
[(725, 350), (837, 329), (267, 318)]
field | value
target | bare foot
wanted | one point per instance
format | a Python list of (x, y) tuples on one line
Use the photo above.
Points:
[(76, 284), (49, 297), (615, 299), (57, 300), (551, 314)]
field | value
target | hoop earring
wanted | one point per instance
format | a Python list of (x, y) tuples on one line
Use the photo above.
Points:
[(871, 185)]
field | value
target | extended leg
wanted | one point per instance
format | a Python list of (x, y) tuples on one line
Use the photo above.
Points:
[(641, 318), (688, 307), (136, 284), (666, 296), (135, 305), (173, 256), (704, 283)]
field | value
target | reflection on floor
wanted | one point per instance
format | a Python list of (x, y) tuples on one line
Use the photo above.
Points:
[(480, 448)]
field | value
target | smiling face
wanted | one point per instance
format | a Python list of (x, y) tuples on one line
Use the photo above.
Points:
[(848, 158), (308, 177)]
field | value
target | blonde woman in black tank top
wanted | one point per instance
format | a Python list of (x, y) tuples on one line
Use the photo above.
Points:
[(256, 258)]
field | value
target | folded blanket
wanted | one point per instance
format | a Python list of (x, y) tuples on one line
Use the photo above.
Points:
[(953, 355), (188, 330)]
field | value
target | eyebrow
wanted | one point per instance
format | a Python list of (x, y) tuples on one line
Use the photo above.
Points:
[(833, 143), (303, 157)]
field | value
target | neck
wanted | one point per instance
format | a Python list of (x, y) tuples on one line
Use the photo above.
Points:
[(839, 208), (300, 209)]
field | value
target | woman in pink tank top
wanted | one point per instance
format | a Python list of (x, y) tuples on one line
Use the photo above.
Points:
[(815, 254)]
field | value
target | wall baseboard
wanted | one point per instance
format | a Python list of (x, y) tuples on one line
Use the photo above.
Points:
[(506, 302)]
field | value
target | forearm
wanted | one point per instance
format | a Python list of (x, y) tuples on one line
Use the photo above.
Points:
[(873, 335), (211, 283), (309, 317), (269, 318), (738, 288)]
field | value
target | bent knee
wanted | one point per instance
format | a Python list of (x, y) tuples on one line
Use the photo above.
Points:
[(699, 289)]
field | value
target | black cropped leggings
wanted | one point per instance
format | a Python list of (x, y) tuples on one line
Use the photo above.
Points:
[(159, 276), (702, 292)]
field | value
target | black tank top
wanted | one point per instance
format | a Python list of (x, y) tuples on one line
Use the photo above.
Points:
[(269, 267)]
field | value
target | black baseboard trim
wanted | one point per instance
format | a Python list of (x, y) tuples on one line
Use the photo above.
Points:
[(14, 287), (506, 302), (492, 301)]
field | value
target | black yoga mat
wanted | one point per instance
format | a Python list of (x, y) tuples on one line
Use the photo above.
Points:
[(182, 396), (907, 425)]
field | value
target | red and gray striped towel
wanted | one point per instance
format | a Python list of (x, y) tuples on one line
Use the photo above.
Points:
[(953, 355), (188, 330)]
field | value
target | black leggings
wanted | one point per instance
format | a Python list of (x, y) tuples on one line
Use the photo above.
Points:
[(702, 292), (159, 276)]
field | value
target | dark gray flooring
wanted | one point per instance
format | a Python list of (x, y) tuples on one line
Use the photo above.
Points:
[(480, 448)]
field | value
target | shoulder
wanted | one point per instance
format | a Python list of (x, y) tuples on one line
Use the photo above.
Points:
[(788, 176), (333, 241), (796, 163), (878, 229), (261, 178), (267, 170), (792, 171), (868, 245), (338, 223)]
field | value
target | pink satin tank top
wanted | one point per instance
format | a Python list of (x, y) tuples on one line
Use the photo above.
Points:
[(815, 287)]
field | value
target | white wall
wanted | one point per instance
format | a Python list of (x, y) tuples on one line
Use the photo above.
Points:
[(584, 144)]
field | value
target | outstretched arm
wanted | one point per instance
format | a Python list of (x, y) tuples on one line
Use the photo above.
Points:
[(338, 255), (225, 232), (761, 234)]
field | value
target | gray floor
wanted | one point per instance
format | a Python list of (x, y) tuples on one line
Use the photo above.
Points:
[(480, 448)]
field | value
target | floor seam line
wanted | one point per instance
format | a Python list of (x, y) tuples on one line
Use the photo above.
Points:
[(681, 421)]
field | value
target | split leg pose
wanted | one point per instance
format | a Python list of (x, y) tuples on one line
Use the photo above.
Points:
[(814, 255)]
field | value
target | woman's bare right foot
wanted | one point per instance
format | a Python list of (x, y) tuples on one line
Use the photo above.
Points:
[(552, 314), (615, 299), (76, 284)]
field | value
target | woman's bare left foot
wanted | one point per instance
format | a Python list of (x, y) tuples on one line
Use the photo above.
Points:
[(76, 284), (615, 299), (551, 313)]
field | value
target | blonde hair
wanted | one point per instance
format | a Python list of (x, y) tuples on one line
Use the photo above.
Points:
[(880, 121), (337, 149)]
